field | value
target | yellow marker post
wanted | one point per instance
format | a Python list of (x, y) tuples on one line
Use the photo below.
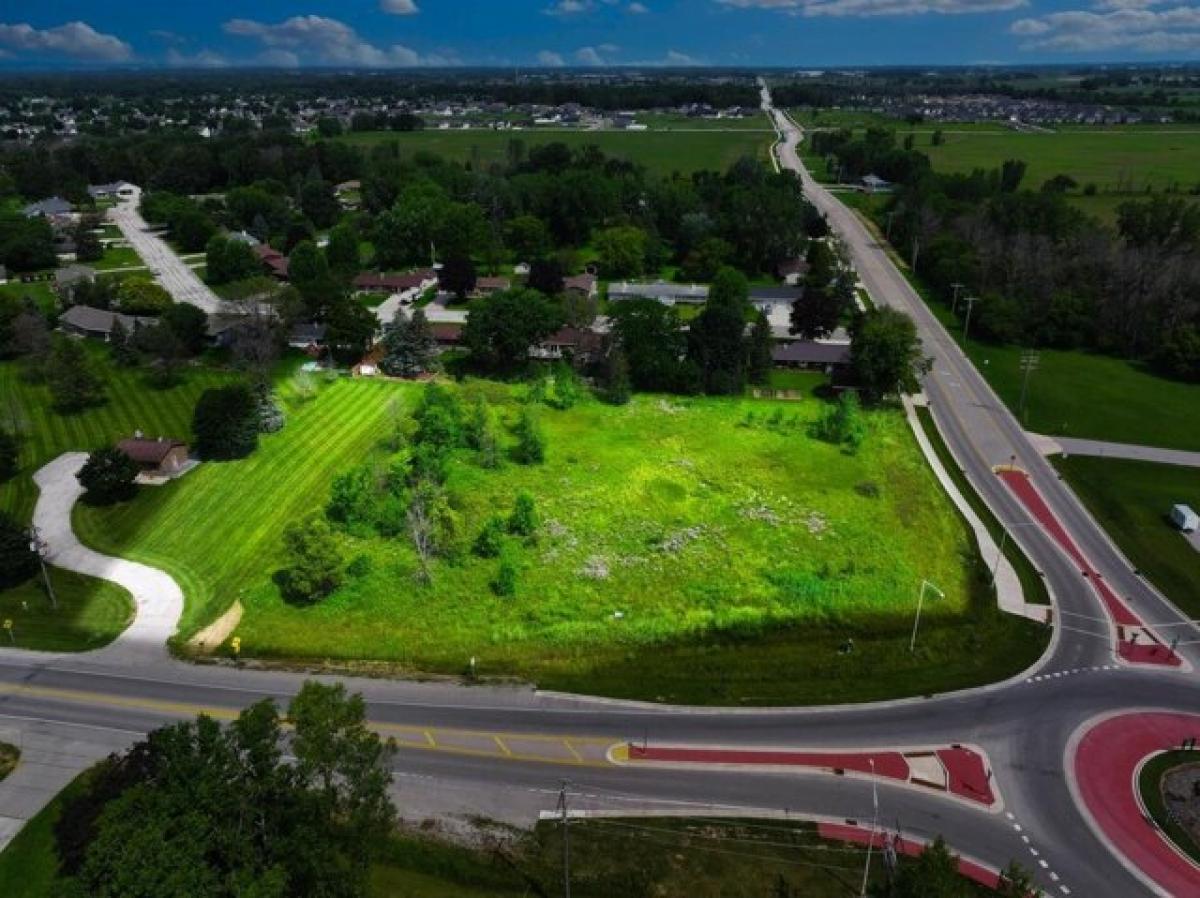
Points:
[(8, 625), (236, 645)]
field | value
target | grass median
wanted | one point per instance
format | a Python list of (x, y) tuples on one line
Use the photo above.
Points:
[(1150, 786)]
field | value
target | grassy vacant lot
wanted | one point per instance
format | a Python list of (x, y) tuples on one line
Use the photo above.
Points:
[(1132, 499), (699, 549), (41, 292), (1150, 783), (661, 152), (118, 257), (90, 614), (131, 405)]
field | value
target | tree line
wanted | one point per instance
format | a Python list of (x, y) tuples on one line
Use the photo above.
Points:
[(1046, 273)]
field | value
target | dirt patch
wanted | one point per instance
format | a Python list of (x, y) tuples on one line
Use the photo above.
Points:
[(214, 635)]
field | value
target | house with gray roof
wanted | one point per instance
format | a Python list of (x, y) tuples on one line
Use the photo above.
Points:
[(98, 324), (661, 291), (52, 207)]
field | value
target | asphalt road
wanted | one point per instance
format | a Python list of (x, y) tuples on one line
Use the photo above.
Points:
[(503, 751), (169, 270)]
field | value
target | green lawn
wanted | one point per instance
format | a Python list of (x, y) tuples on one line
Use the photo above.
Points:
[(660, 151), (118, 257), (29, 865), (90, 613), (41, 292), (1131, 500), (1110, 159), (131, 405), (736, 553), (1150, 786)]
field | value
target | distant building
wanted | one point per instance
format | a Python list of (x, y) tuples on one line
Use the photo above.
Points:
[(486, 286), (791, 271), (52, 207), (583, 284), (875, 184), (661, 291), (116, 190), (410, 282), (66, 278), (309, 336), (812, 355)]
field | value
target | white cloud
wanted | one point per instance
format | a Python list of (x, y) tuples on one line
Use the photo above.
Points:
[(568, 8), (1126, 27), (550, 59), (638, 9), (866, 8), (399, 7), (77, 39), (277, 58), (317, 39), (590, 56), (203, 59)]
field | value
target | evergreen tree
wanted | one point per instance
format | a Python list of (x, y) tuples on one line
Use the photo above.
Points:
[(762, 343), (226, 422), (120, 344), (73, 381), (408, 344), (10, 455), (531, 443), (18, 561), (617, 386)]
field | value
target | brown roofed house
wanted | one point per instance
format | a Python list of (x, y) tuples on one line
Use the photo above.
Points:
[(161, 456), (273, 260)]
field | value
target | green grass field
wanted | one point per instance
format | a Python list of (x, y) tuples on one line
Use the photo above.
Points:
[(732, 553), (131, 405), (661, 152), (1150, 787), (118, 257), (1107, 158), (91, 613), (1132, 499), (41, 292)]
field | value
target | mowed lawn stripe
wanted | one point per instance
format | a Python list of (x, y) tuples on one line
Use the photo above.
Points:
[(243, 505)]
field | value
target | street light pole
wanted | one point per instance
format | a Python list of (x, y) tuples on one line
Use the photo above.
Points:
[(925, 584), (970, 301), (39, 547), (956, 287), (1029, 364), (874, 829)]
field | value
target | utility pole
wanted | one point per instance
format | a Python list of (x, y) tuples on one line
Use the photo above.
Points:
[(956, 286), (925, 584), (887, 233), (1029, 364), (970, 301), (874, 829), (39, 546), (916, 251), (566, 839)]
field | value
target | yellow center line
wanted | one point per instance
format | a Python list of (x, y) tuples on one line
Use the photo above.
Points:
[(552, 743)]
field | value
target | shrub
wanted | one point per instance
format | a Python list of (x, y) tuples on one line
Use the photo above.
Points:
[(505, 583), (490, 541), (523, 520), (843, 423), (531, 443), (108, 475), (17, 560), (352, 497), (314, 559)]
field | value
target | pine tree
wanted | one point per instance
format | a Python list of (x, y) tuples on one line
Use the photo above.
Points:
[(761, 344), (408, 344)]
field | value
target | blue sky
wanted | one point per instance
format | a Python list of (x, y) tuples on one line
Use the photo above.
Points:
[(400, 33)]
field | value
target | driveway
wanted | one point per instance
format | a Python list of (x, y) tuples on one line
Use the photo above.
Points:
[(158, 600)]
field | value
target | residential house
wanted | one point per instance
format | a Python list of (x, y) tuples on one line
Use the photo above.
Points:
[(66, 278), (816, 355), (661, 291), (161, 456), (447, 335), (98, 324), (776, 303), (792, 271), (273, 261), (875, 184), (52, 207), (583, 284), (116, 190), (580, 345), (309, 336), (409, 285), (486, 286)]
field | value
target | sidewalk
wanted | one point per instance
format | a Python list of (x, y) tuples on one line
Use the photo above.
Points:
[(1049, 445)]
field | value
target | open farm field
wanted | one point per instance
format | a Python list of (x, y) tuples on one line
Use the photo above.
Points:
[(660, 151), (688, 549)]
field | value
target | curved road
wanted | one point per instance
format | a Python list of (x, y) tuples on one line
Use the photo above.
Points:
[(503, 751)]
